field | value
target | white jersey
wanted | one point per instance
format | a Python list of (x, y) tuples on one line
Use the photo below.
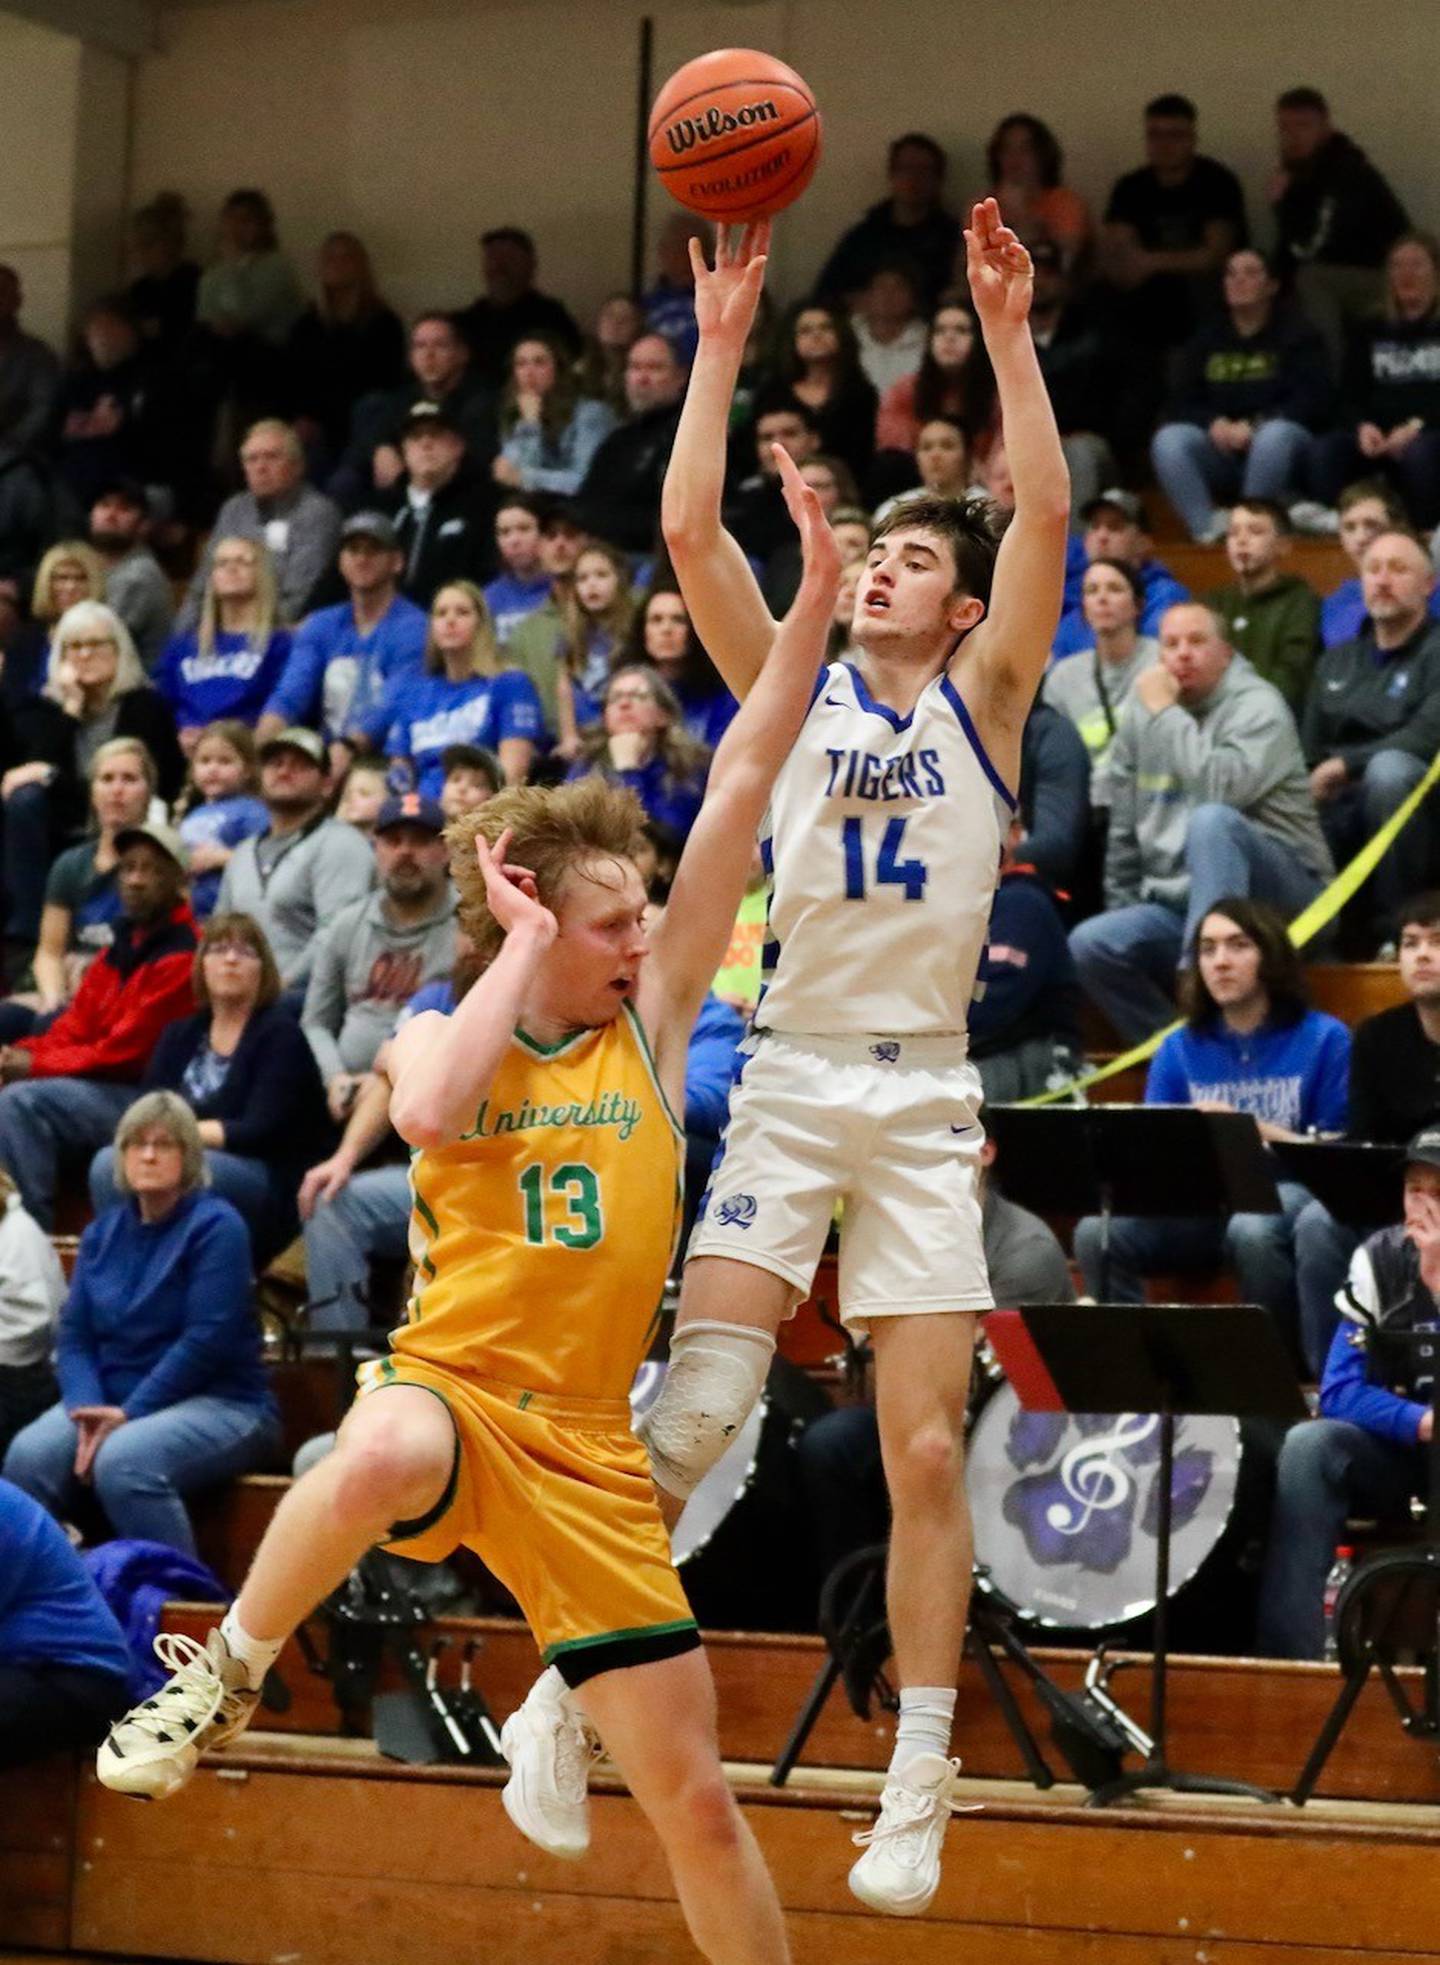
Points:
[(882, 848)]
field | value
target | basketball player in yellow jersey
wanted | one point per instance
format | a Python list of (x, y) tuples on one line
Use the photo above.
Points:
[(546, 1180)]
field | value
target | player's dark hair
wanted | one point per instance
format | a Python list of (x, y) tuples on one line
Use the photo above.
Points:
[(476, 758), (966, 394), (1420, 911), (917, 140), (1047, 148), (970, 527), (1282, 974), (1366, 488), (1270, 508), (1174, 107), (508, 235), (1128, 575), (1303, 98), (788, 368), (521, 501)]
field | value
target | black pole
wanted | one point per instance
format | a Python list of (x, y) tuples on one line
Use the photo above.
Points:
[(645, 73)]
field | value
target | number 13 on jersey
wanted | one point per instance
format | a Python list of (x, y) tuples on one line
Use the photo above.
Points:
[(563, 1207), (890, 869)]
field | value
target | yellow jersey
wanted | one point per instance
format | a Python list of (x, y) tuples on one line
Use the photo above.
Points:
[(542, 1237)]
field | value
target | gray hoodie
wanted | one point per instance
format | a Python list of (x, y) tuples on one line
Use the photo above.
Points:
[(327, 866), (1238, 747), (365, 971)]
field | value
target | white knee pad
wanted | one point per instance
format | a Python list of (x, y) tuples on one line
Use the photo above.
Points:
[(717, 1372)]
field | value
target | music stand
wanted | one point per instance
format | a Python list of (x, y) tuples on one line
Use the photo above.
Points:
[(1358, 1184), (1170, 1359)]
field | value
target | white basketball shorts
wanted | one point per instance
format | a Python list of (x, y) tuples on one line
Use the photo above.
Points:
[(887, 1126)]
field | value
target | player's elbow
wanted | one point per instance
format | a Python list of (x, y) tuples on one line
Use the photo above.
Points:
[(686, 526), (420, 1120)]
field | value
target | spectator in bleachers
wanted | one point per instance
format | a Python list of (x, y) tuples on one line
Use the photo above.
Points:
[(32, 1288), (1394, 1094), (817, 364), (1390, 406), (347, 344), (219, 807), (669, 306), (954, 380), (1364, 508), (1372, 721), (1080, 373), (665, 636), (511, 306), (911, 223), (539, 642), (1115, 529), (943, 466), (549, 431), (831, 480), (642, 742), (305, 866), (1250, 1043), (371, 959), (442, 514), (363, 790), (472, 774), (619, 323), (1092, 688), (163, 1388), (242, 1065), (297, 525), (620, 498), (71, 570), (250, 293), (29, 374), (461, 696), (230, 663), (343, 658), (1336, 218), (1272, 618), (76, 899), (1208, 796), (135, 582), (1026, 169), (756, 512), (1368, 1451), (32, 513), (891, 333), (1249, 387), (441, 376), (851, 527), (65, 1087), (1025, 1018), (111, 411), (1054, 795), (597, 619), (64, 1663), (522, 584), (163, 292)]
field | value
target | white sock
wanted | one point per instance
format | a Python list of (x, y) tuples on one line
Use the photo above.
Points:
[(927, 1718), (550, 1686), (257, 1655)]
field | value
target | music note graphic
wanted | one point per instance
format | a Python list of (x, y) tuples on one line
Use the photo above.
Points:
[(1095, 1479)]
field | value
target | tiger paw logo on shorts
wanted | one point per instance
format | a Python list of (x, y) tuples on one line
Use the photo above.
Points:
[(737, 1211), (885, 1053)]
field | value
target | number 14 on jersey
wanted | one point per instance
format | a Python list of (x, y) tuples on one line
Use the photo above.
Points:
[(890, 869)]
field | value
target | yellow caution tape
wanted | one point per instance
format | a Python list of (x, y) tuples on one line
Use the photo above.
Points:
[(1304, 928)]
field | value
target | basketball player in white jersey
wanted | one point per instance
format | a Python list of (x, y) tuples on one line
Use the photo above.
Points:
[(882, 847)]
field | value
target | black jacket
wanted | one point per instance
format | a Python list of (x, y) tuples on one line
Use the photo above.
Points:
[(456, 540), (41, 732), (1339, 210), (929, 247), (1394, 1078), (620, 498), (1392, 372), (1282, 370), (491, 332), (1054, 793)]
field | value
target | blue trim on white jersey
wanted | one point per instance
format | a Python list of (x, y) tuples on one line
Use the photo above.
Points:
[(820, 682), (952, 697), (867, 702)]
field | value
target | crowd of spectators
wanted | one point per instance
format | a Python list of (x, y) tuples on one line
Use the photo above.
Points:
[(286, 585)]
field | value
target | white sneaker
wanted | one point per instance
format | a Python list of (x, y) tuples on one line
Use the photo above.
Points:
[(900, 1870), (1310, 516), (551, 1751), (153, 1750)]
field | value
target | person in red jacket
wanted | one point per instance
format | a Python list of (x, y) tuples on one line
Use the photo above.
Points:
[(65, 1088)]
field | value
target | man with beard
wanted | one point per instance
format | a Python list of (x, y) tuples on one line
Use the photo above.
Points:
[(135, 582)]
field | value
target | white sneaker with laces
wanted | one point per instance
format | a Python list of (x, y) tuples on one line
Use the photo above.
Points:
[(551, 1751), (154, 1749), (899, 1872)]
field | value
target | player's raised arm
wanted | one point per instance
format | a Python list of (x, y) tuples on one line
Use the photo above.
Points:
[(689, 943), (730, 616), (442, 1067), (1007, 653)]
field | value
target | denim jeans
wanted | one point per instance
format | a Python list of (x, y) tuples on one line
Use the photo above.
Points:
[(1260, 1248), (235, 1177), (1127, 957), (1359, 810), (46, 1120), (1323, 1248), (370, 1216), (1328, 1470), (1194, 474), (146, 1466), (1415, 473)]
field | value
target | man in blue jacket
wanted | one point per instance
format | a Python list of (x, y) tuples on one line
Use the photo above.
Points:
[(1114, 529), (1366, 1453)]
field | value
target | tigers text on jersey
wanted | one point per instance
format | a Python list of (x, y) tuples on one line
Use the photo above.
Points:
[(542, 1238), (882, 846)]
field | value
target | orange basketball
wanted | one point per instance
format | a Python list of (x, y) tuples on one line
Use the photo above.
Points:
[(735, 135)]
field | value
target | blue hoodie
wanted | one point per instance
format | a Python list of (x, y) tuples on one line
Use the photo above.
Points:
[(235, 679), (1162, 590), (50, 1611), (1295, 1075)]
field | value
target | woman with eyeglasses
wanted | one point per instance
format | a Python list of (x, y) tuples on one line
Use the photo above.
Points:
[(642, 742), (230, 665), (243, 1066)]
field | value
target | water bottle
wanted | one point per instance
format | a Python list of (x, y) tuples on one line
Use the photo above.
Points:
[(1339, 1570)]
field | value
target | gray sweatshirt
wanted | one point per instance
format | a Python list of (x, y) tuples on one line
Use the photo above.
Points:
[(365, 971), (1238, 747), (326, 868), (138, 591), (1092, 694), (32, 1287)]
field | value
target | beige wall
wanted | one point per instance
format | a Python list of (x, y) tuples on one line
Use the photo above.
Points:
[(419, 121)]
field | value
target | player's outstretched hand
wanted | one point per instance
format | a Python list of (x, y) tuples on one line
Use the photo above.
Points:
[(998, 268), (820, 581), (511, 891), (727, 294)]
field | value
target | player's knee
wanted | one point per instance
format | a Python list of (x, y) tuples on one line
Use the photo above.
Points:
[(385, 1475), (702, 1810), (925, 1466), (716, 1373)]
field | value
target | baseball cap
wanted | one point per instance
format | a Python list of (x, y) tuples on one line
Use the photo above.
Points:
[(130, 491), (426, 415), (1424, 1149), (296, 738), (370, 525), (1126, 503), (411, 808), (163, 836)]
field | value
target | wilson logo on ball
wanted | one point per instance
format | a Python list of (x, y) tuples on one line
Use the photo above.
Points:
[(735, 135), (690, 130)]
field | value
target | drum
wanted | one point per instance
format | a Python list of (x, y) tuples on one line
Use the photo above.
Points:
[(1065, 1510)]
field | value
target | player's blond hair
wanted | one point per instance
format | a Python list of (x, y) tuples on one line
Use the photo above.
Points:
[(554, 828)]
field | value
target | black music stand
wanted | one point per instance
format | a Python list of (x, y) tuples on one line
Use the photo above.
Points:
[(1358, 1184), (1166, 1358)]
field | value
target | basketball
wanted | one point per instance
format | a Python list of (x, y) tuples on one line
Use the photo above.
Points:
[(735, 135)]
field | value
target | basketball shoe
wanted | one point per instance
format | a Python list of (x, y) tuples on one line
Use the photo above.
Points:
[(207, 1700), (900, 1870), (551, 1751)]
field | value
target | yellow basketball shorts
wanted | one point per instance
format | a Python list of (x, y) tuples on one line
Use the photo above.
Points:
[(555, 1497)]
